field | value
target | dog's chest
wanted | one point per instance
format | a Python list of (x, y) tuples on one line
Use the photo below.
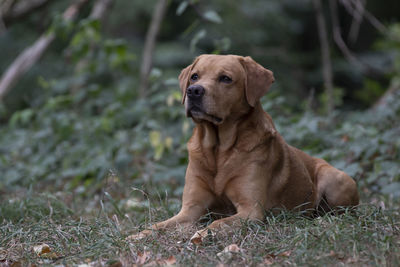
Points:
[(223, 168)]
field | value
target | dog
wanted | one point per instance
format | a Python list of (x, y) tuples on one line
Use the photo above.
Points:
[(237, 160)]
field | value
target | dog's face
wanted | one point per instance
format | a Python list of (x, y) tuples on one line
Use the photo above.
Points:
[(217, 88)]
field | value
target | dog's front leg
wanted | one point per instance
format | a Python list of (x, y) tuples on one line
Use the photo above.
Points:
[(195, 201), (249, 198), (253, 212)]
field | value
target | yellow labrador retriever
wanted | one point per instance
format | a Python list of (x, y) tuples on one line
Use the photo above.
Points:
[(237, 159)]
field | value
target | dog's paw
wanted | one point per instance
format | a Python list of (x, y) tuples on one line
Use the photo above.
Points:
[(139, 236), (200, 236)]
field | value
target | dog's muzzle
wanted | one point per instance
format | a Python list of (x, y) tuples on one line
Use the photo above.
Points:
[(194, 106), (195, 93)]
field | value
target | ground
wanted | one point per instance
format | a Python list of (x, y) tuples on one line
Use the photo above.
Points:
[(66, 229)]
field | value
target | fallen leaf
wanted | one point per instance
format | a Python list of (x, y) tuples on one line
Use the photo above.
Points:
[(196, 240), (200, 236), (232, 248), (41, 249), (227, 252), (269, 260), (285, 254), (171, 260), (139, 236), (44, 251)]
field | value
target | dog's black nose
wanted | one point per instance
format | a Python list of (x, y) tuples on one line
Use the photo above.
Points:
[(195, 91)]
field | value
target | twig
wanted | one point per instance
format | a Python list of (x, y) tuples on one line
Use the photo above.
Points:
[(22, 8), (357, 14), (5, 6), (100, 8), (337, 36), (32, 54), (147, 59), (325, 53), (368, 16)]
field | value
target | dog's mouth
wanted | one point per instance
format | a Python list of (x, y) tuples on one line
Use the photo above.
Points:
[(198, 114)]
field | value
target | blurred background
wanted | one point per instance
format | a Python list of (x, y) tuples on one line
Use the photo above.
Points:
[(90, 102)]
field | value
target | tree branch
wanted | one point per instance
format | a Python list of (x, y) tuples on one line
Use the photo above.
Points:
[(147, 59), (357, 14), (337, 36), (325, 53), (348, 5), (100, 8), (22, 8), (32, 54), (5, 6)]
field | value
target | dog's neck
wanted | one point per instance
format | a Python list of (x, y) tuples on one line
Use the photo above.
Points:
[(223, 137)]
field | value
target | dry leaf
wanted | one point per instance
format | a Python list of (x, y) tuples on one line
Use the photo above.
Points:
[(171, 260), (139, 236), (196, 240), (269, 260), (232, 248), (285, 254), (228, 251), (44, 251), (41, 249), (201, 235)]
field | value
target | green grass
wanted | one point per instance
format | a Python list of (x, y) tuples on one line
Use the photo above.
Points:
[(369, 236)]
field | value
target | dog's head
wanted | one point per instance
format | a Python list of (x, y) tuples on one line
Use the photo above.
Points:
[(216, 88)]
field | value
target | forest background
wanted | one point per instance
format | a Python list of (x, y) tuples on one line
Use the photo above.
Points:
[(92, 129)]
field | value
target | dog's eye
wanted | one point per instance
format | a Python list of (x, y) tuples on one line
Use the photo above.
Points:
[(194, 77), (225, 79)]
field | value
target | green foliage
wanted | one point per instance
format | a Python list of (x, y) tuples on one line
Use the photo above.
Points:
[(363, 144), (91, 122), (86, 122), (371, 90)]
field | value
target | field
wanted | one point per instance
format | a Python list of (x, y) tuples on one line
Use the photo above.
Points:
[(366, 236)]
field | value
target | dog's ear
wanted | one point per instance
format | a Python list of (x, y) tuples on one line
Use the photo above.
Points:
[(258, 80), (184, 78)]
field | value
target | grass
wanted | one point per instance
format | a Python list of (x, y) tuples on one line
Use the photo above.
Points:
[(370, 236)]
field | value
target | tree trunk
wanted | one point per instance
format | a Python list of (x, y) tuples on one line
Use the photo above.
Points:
[(147, 58), (326, 58), (100, 9), (32, 54)]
